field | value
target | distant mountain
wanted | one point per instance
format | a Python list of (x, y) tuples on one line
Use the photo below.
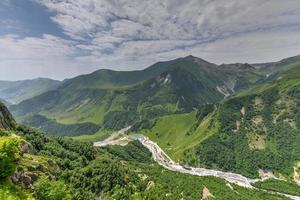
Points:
[(14, 92), (115, 99), (273, 67)]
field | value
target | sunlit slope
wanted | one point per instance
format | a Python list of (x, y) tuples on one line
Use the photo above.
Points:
[(179, 132)]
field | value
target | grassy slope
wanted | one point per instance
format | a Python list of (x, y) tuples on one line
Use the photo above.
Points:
[(100, 135), (173, 133)]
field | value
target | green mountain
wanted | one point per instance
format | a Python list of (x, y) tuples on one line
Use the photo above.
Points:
[(276, 66), (114, 100), (258, 126), (13, 92), (253, 132), (37, 166)]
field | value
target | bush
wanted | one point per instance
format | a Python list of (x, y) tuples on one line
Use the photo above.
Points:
[(46, 189), (9, 154)]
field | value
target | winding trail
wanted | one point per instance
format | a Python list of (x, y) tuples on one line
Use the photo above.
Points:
[(165, 161)]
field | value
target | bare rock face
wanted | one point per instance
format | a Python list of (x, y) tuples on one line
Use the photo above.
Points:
[(26, 148), (26, 176), (150, 185), (23, 179), (206, 194), (6, 120)]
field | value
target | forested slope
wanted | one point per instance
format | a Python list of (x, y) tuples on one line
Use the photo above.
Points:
[(36, 166)]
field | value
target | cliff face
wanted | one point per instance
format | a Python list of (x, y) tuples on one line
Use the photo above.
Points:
[(6, 120)]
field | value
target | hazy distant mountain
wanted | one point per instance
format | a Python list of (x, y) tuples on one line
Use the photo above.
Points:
[(14, 92), (273, 67)]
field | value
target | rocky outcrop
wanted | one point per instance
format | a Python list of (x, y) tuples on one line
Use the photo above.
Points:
[(6, 120), (227, 88), (25, 176), (22, 178), (206, 194), (25, 147)]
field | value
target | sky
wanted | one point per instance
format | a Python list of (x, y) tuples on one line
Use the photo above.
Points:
[(64, 38)]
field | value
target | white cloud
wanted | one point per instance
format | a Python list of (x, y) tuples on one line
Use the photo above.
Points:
[(28, 57), (130, 34), (170, 19), (44, 48)]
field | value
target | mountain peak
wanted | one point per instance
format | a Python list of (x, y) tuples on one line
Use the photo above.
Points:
[(196, 60)]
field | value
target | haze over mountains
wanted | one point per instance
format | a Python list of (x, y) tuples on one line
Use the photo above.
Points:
[(14, 92)]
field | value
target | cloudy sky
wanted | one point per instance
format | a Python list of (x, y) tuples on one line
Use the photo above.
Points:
[(64, 38)]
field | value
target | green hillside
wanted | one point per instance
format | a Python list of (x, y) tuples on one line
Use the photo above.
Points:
[(114, 100), (254, 129), (36, 166), (180, 132), (13, 92)]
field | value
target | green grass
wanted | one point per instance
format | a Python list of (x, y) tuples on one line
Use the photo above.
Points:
[(100, 135), (8, 191), (279, 186), (173, 135), (89, 111)]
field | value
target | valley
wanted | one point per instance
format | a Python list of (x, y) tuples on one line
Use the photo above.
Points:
[(120, 138), (149, 100), (233, 129)]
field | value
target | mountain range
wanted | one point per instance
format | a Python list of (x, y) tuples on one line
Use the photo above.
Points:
[(13, 92), (242, 118), (116, 99)]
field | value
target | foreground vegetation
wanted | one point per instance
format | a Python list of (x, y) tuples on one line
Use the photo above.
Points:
[(66, 169)]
